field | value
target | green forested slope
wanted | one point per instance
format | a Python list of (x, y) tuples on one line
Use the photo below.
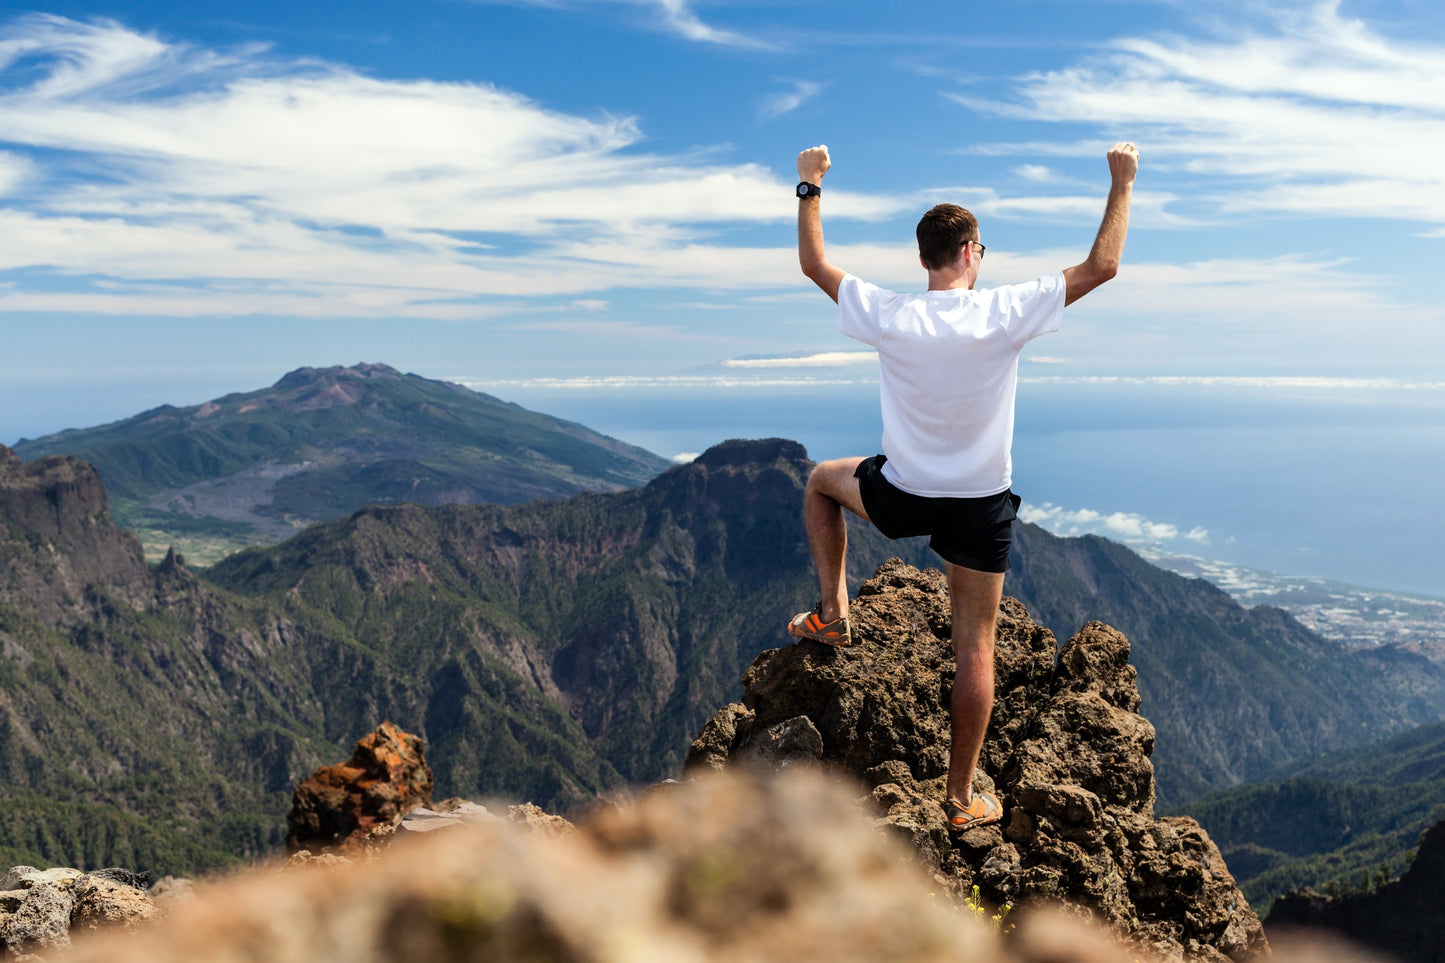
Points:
[(551, 651), (1336, 822)]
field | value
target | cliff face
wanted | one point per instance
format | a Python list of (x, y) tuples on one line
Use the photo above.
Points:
[(1066, 751), (59, 550), (1402, 918)]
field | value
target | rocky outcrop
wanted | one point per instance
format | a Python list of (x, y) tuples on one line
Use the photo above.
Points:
[(1066, 751), (339, 808), (1401, 918), (40, 908), (61, 551)]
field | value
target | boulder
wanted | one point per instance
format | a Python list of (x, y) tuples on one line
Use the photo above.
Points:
[(41, 919), (339, 808), (102, 901), (1066, 751), (39, 909)]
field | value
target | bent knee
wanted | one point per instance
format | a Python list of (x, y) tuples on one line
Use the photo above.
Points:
[(830, 477)]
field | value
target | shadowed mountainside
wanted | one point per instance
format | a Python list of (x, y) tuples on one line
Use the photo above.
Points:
[(1401, 918), (1334, 823)]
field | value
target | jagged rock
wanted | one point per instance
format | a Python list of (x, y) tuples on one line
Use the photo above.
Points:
[(790, 741), (27, 877), (13, 876), (1066, 751), (339, 807), (714, 744), (40, 908), (1401, 918), (42, 919), (126, 877), (102, 901)]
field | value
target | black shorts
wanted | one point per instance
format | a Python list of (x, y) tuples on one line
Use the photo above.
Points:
[(975, 533)]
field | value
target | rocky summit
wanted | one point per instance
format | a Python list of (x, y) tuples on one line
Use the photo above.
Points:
[(1067, 752)]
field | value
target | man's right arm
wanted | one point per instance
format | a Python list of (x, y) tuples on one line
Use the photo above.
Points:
[(1103, 261), (813, 163)]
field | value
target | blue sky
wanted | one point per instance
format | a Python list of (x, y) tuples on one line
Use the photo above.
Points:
[(196, 197)]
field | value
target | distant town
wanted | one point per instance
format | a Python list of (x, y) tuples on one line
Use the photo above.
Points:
[(1349, 614)]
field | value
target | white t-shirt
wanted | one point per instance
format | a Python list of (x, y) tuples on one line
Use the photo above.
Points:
[(949, 363)]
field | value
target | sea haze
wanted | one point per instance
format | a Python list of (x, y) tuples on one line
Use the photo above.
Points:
[(1335, 481)]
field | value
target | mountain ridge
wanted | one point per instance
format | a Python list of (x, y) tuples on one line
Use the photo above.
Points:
[(554, 650), (252, 467)]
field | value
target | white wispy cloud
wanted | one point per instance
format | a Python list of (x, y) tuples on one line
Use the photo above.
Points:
[(675, 16), (1283, 382), (776, 105), (257, 184), (1314, 114), (685, 382), (1128, 526), (824, 359), (678, 15)]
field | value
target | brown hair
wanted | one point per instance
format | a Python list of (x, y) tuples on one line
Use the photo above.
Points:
[(942, 233)]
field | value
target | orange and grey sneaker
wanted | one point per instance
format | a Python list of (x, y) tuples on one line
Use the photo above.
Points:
[(984, 810), (810, 625)]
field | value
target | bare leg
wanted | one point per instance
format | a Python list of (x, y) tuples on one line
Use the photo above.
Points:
[(975, 599), (831, 488)]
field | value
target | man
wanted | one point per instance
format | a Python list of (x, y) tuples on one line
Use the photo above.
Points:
[(949, 369)]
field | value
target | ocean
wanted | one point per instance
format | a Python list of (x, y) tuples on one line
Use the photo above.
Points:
[(1338, 479)]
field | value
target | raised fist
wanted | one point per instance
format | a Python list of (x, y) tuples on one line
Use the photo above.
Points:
[(813, 163), (1123, 162)]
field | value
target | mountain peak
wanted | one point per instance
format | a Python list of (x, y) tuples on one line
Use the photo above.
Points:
[(736, 453), (303, 377)]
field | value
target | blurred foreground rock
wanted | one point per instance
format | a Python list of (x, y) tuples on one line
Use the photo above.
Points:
[(341, 808), (41, 908), (1066, 752), (733, 867)]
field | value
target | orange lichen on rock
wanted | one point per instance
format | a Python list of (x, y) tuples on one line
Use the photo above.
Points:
[(340, 807)]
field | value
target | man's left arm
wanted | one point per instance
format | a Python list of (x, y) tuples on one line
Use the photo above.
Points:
[(1103, 260), (813, 163)]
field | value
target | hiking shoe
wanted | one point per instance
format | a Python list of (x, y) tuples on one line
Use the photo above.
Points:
[(985, 810), (810, 625)]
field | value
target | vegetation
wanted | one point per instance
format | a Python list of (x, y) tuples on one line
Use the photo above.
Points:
[(1338, 823), (552, 651), (251, 468)]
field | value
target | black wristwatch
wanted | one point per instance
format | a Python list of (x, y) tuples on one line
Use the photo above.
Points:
[(809, 190)]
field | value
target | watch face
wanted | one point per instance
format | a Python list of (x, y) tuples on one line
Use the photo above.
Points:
[(807, 190)]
